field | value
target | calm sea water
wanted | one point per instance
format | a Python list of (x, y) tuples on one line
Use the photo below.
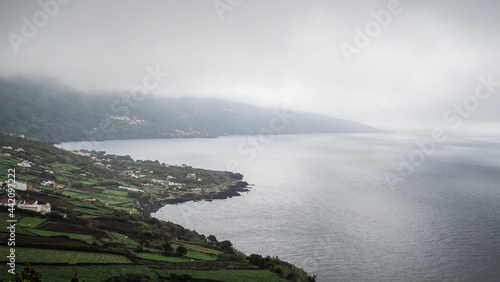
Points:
[(323, 203)]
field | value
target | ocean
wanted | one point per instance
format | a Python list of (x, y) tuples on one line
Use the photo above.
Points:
[(348, 207)]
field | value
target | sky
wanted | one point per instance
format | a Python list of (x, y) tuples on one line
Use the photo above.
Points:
[(390, 64)]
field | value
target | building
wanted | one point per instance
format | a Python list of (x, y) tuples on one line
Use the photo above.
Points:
[(24, 164), (5, 201), (31, 206), (18, 186), (131, 189), (48, 183), (46, 208)]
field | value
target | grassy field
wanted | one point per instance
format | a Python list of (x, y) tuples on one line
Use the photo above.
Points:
[(200, 256), (34, 255), (231, 275), (162, 258), (31, 221), (89, 218), (100, 273), (120, 238), (201, 249), (4, 216), (86, 238)]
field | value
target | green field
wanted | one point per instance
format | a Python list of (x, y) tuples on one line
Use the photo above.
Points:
[(31, 221), (86, 238), (243, 275), (101, 273), (201, 249), (200, 256), (57, 258), (33, 255), (120, 238), (162, 258)]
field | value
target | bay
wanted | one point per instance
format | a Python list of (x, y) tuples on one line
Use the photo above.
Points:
[(323, 202)]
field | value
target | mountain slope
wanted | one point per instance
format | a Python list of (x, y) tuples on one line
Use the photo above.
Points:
[(48, 111)]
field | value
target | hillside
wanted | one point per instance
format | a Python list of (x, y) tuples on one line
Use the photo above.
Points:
[(98, 225), (45, 110)]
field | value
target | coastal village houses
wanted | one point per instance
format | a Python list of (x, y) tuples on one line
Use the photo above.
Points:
[(25, 164), (25, 205), (21, 186), (32, 206)]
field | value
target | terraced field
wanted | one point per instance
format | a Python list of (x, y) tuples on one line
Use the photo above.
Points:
[(33, 255), (101, 273)]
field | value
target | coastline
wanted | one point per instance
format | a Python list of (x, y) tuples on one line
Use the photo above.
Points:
[(232, 191)]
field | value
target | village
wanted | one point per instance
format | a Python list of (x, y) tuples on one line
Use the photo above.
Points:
[(165, 181)]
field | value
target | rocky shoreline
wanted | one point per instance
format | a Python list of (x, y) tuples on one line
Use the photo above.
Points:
[(232, 191)]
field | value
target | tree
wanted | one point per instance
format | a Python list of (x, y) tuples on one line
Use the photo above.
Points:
[(257, 260), (212, 240), (226, 246), (167, 248), (76, 278), (181, 250), (29, 274)]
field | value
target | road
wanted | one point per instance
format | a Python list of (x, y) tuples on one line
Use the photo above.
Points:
[(67, 187)]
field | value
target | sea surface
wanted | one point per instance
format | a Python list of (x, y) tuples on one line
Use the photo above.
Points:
[(348, 207)]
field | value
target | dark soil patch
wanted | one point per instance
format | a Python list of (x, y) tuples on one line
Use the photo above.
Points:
[(198, 265), (73, 228), (54, 201), (125, 227), (24, 240), (95, 190)]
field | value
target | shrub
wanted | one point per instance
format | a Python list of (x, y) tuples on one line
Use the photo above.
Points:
[(181, 251)]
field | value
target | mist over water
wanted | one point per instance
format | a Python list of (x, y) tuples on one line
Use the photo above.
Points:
[(322, 202)]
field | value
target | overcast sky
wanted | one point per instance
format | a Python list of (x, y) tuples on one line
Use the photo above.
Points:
[(417, 65)]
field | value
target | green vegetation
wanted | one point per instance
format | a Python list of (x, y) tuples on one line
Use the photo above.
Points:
[(101, 273), (93, 178), (162, 258), (31, 222), (33, 255), (94, 222), (43, 233)]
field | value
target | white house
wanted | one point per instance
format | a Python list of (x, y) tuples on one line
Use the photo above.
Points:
[(131, 189), (24, 164), (45, 208), (191, 175), (48, 183), (34, 206), (18, 186), (31, 206)]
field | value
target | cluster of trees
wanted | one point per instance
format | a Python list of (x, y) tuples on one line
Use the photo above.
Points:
[(169, 250), (282, 268), (225, 246)]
